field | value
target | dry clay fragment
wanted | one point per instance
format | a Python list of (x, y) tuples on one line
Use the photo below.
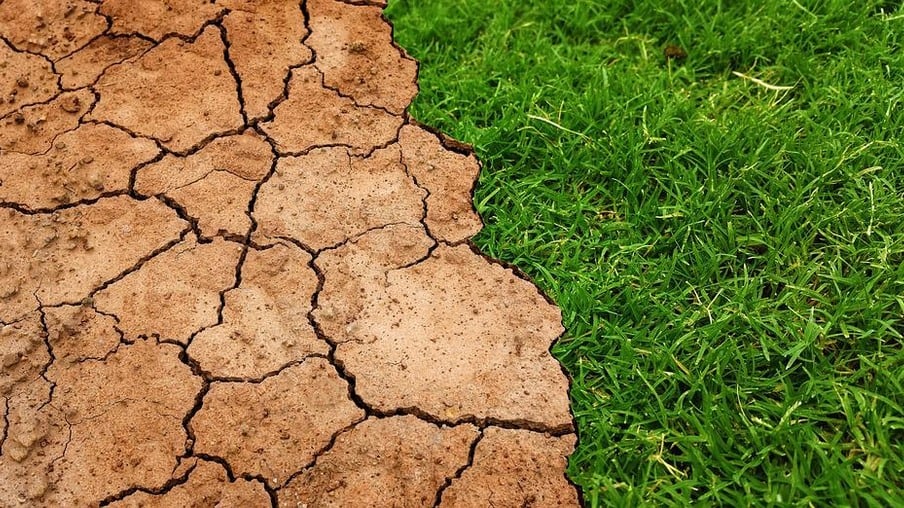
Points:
[(325, 197), (25, 438), (83, 67), (179, 93), (215, 184), (53, 28), (24, 79), (399, 461), (103, 433), (356, 53), (449, 177), (78, 333), (81, 165), (33, 129), (37, 434), (454, 335), (314, 116), (64, 256), (265, 39), (176, 293), (265, 320), (276, 427), (515, 468), (23, 353), (207, 486), (358, 268), (123, 433), (159, 18)]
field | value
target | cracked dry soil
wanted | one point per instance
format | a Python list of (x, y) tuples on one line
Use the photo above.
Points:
[(235, 272)]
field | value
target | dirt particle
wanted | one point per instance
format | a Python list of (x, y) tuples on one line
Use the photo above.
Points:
[(72, 104), (674, 52)]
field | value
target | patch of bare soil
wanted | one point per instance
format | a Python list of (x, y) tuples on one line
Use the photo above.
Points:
[(235, 272)]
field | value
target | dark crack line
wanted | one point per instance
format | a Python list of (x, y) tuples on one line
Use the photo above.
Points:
[(352, 98), (127, 59), (354, 101), (355, 237), (481, 422), (274, 500), (197, 147), (272, 105), (46, 102), (25, 210), (109, 22), (517, 272), (266, 376), (306, 17), (190, 438), (235, 73), (245, 243), (191, 38), (166, 487), (353, 151), (323, 450), (218, 460), (45, 335), (126, 130), (425, 205), (27, 52), (318, 330), (194, 222), (52, 143), (141, 262), (460, 471), (65, 445), (5, 424), (448, 143), (133, 174)]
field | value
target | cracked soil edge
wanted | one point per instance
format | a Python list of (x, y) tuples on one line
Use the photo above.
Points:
[(14, 389)]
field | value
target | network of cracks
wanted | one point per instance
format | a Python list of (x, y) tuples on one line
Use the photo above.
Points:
[(234, 272)]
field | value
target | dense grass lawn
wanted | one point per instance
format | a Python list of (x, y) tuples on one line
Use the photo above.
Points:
[(723, 232)]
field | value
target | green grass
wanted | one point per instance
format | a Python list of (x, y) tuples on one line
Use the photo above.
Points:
[(729, 257)]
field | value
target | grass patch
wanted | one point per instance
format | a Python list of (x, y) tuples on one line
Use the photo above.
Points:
[(723, 232)]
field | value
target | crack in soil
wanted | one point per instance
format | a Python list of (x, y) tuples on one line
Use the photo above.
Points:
[(172, 483), (5, 423), (234, 72), (45, 333), (439, 493)]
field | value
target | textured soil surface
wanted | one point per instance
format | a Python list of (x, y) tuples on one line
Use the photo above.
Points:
[(234, 272)]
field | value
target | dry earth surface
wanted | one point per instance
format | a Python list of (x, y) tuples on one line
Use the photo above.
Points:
[(234, 272)]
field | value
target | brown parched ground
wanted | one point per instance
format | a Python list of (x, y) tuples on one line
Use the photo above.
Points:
[(234, 272)]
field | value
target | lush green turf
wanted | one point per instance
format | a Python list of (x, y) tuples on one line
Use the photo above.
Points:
[(727, 254)]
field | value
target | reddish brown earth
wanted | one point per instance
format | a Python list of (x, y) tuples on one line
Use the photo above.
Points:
[(235, 272)]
